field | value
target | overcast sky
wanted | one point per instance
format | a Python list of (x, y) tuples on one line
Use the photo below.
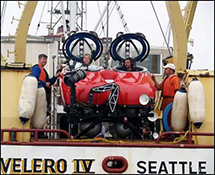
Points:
[(139, 16)]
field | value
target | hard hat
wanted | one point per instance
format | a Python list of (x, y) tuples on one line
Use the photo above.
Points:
[(169, 65)]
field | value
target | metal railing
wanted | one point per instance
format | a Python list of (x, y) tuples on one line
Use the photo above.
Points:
[(186, 140), (35, 131), (190, 134)]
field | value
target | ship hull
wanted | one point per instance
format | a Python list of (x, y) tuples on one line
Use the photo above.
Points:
[(74, 159)]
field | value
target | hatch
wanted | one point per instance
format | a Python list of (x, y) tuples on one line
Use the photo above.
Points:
[(133, 45), (79, 43)]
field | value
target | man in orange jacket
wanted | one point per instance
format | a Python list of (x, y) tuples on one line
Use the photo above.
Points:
[(169, 85)]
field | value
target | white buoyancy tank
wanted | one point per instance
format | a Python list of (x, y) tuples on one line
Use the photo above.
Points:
[(38, 119), (27, 98), (196, 102), (179, 110)]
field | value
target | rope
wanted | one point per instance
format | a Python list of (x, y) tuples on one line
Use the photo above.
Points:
[(181, 138), (178, 139), (94, 140), (40, 18), (161, 28), (195, 137)]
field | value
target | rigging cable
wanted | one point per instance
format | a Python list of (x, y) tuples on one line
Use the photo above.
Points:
[(57, 5), (168, 30), (124, 23), (161, 28), (167, 35), (40, 19), (3, 13), (101, 21)]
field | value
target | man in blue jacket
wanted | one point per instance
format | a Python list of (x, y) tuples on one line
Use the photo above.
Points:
[(42, 76)]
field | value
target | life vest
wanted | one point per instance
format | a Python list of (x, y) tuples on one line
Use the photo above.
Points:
[(42, 76), (169, 86)]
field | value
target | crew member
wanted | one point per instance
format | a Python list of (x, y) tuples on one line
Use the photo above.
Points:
[(42, 76), (169, 86), (44, 81), (128, 65), (86, 64)]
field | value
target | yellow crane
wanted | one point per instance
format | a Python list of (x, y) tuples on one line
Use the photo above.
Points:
[(181, 26)]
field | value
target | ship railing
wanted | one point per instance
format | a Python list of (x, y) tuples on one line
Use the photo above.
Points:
[(188, 134), (189, 140), (35, 132)]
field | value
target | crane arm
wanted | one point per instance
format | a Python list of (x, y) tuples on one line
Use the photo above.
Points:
[(189, 15), (179, 35), (180, 30), (22, 31)]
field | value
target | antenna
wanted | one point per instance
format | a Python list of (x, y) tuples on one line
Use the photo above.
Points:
[(80, 14)]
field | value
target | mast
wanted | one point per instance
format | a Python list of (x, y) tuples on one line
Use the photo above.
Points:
[(80, 14), (63, 19), (107, 47), (72, 17), (50, 27)]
